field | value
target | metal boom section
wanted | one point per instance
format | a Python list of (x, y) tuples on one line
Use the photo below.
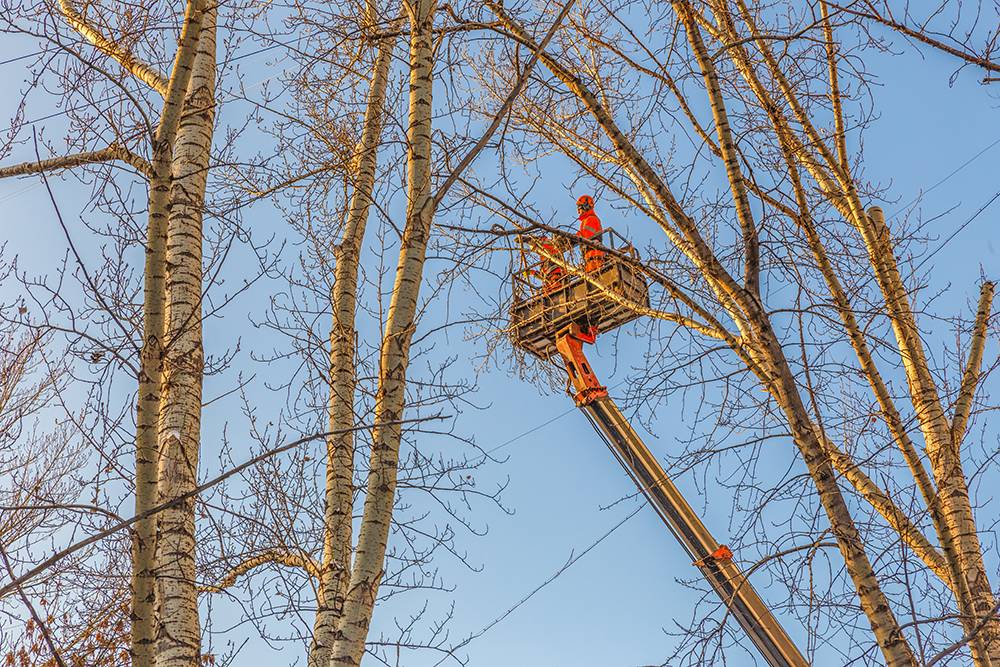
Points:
[(729, 583)]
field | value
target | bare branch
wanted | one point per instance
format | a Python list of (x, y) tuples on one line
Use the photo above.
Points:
[(31, 609), (970, 379), (456, 173), (111, 153), (97, 537), (293, 559), (145, 73), (922, 36)]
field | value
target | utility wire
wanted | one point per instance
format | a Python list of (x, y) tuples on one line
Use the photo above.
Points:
[(25, 56), (959, 229), (573, 559), (535, 428), (947, 177)]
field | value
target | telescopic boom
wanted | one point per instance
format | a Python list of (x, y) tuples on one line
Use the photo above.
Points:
[(714, 560)]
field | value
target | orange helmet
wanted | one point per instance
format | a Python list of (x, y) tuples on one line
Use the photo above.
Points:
[(585, 203)]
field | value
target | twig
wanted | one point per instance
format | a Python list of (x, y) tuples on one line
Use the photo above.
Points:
[(502, 113), (73, 548), (966, 639), (31, 610)]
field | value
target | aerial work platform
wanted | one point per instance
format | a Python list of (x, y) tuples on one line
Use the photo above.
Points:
[(605, 298), (562, 303)]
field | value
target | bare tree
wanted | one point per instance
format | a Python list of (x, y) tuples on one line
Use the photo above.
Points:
[(791, 292), (176, 170)]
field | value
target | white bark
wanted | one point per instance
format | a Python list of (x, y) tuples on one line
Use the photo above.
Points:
[(142, 71), (337, 527), (143, 637), (178, 640), (367, 570)]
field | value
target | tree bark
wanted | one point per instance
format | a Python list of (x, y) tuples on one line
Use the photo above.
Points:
[(113, 152), (888, 635), (337, 527), (946, 465), (112, 49), (142, 646), (970, 378), (367, 570), (835, 182), (178, 641), (727, 147)]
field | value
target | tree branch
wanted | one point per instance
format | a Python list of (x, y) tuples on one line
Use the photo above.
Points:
[(498, 118), (111, 153), (970, 379), (177, 500), (145, 73), (966, 639), (293, 559), (34, 614), (924, 38)]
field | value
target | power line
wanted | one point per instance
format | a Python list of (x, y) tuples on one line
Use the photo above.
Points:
[(536, 428), (947, 177), (959, 229), (25, 56), (573, 559), (16, 193), (531, 430)]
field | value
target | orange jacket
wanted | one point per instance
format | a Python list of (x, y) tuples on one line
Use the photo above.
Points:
[(590, 225), (549, 270)]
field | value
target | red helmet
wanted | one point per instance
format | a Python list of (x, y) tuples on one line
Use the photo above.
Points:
[(585, 203)]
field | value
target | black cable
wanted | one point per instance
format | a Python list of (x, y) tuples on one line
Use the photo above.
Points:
[(956, 232), (26, 55), (946, 178), (573, 559)]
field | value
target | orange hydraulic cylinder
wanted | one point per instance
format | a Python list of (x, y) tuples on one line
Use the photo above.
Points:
[(570, 345)]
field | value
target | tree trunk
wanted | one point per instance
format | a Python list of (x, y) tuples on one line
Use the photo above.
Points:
[(367, 571), (946, 464), (142, 647), (179, 636), (888, 635), (337, 527), (835, 181)]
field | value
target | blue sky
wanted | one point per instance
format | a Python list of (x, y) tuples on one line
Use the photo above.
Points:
[(610, 607)]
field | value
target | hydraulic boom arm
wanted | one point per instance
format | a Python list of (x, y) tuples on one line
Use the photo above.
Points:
[(714, 561)]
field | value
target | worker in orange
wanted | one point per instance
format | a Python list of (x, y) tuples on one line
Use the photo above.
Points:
[(590, 227), (550, 273)]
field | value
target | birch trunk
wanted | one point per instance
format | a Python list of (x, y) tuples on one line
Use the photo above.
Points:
[(367, 571), (885, 627), (946, 465), (337, 528), (952, 575), (178, 641), (142, 647), (847, 203)]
